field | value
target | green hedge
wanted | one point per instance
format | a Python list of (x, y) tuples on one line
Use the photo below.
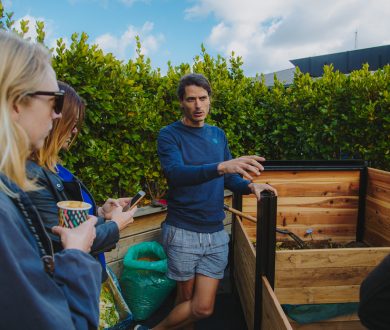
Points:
[(127, 103)]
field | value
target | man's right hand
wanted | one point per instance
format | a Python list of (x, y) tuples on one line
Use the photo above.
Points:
[(245, 165)]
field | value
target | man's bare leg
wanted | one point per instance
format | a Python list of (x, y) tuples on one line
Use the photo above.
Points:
[(200, 306), (184, 292)]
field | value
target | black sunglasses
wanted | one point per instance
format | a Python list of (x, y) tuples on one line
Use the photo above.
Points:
[(59, 98)]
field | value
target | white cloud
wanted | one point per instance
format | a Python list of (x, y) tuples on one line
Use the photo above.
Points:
[(132, 2), (48, 29), (268, 34), (123, 47)]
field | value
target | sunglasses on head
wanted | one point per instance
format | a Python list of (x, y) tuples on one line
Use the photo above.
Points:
[(59, 98)]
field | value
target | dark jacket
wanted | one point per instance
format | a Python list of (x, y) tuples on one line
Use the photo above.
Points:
[(375, 297), (30, 297), (55, 190)]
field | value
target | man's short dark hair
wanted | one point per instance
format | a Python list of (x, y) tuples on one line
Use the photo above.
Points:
[(190, 80)]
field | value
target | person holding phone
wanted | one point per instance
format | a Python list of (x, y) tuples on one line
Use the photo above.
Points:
[(39, 289), (60, 184), (197, 163)]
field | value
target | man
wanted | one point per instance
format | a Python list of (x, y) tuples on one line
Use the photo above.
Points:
[(198, 166)]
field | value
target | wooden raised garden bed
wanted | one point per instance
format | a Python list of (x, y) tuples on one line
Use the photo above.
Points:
[(340, 201)]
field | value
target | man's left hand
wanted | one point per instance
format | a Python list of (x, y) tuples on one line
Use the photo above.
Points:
[(257, 188)]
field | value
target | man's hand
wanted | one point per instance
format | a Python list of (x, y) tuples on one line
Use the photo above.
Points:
[(258, 188), (110, 205), (80, 238), (242, 165)]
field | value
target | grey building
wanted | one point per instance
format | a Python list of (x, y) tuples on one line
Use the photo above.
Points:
[(345, 62)]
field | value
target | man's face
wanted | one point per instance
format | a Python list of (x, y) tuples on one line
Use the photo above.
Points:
[(195, 105)]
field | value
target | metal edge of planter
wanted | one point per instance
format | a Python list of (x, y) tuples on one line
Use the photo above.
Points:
[(314, 165), (265, 250)]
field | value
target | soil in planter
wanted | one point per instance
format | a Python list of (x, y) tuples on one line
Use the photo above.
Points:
[(317, 244)]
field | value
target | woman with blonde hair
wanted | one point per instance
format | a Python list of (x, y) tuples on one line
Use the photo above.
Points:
[(39, 289), (60, 184)]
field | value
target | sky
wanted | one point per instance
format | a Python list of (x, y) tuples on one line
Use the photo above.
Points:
[(266, 34)]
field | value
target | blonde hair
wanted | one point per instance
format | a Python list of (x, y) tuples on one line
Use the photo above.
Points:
[(73, 112), (23, 65)]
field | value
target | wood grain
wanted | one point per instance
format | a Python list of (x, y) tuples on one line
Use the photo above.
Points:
[(273, 315)]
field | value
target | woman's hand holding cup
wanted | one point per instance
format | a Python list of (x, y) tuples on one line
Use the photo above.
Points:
[(80, 238)]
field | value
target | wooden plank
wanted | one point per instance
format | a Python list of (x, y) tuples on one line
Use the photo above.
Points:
[(124, 243), (318, 277), (377, 222), (380, 205), (308, 176), (379, 184), (375, 238), (249, 203), (337, 233), (117, 267), (377, 217), (295, 215), (304, 189), (244, 272), (318, 295), (379, 190), (289, 215), (318, 258), (143, 223), (273, 315)]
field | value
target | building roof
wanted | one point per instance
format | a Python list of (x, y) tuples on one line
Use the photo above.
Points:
[(345, 62), (286, 77)]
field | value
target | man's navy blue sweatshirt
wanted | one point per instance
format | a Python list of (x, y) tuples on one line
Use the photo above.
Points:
[(189, 157)]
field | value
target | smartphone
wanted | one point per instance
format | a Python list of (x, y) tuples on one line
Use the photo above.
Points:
[(134, 201)]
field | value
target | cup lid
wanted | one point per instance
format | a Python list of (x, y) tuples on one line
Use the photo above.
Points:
[(74, 205)]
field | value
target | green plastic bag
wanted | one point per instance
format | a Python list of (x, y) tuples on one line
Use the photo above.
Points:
[(144, 283)]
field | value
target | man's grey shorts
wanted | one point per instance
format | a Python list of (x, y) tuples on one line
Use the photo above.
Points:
[(191, 253)]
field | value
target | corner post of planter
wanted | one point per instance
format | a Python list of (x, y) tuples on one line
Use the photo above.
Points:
[(363, 181), (265, 250)]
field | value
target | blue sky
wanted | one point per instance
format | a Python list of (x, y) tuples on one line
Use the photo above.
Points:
[(265, 33)]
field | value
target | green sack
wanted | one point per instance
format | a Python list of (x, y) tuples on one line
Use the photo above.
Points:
[(144, 283)]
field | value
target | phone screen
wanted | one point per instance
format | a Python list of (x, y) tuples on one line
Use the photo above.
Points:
[(134, 201)]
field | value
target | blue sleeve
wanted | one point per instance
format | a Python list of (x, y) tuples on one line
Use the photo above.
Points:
[(107, 235), (177, 173), (235, 182), (30, 298), (79, 276)]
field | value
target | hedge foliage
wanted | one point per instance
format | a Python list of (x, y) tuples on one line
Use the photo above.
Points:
[(128, 102)]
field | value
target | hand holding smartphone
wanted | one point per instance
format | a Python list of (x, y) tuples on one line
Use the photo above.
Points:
[(134, 201)]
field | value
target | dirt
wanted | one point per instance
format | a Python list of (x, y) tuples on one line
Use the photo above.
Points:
[(317, 244)]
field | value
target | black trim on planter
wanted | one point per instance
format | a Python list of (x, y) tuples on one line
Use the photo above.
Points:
[(265, 249), (314, 165)]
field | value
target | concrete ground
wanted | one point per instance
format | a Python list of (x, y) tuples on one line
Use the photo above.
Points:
[(227, 314)]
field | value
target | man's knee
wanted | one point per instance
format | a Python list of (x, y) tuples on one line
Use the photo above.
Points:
[(201, 311)]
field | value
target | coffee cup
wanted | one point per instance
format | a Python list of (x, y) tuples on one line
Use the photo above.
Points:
[(72, 213)]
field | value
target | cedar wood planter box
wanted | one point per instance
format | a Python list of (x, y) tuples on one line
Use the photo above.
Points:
[(342, 200)]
